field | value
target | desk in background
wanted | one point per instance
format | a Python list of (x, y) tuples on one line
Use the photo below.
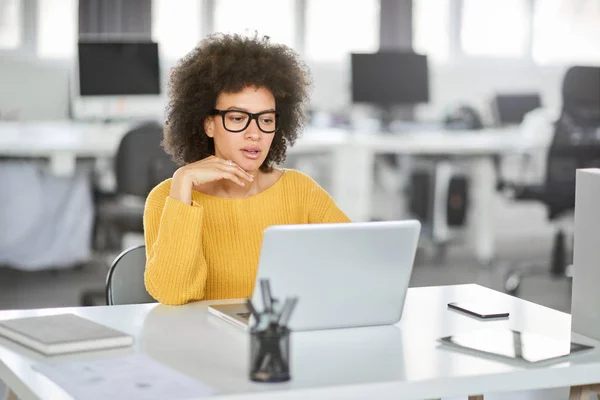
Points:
[(402, 361), (63, 142), (353, 170), (352, 158)]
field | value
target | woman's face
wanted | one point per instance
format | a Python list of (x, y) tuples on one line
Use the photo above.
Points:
[(249, 147)]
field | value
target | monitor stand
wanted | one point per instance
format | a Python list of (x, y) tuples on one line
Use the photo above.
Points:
[(390, 114), (386, 118)]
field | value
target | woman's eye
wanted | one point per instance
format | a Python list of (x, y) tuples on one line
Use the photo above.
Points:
[(237, 118)]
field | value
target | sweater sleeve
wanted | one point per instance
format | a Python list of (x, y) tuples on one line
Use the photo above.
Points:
[(322, 207), (334, 214), (176, 269)]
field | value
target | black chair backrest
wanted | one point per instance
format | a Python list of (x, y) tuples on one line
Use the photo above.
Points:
[(141, 162), (581, 95), (576, 140)]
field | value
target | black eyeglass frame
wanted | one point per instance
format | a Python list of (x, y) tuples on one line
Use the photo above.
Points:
[(251, 116)]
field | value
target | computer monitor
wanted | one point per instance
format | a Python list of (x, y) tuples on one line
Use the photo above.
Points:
[(118, 68), (390, 78), (510, 109)]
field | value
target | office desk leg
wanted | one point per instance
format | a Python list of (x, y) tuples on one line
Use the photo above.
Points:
[(583, 392), (353, 181), (483, 185)]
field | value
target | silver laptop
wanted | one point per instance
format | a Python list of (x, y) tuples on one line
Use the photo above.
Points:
[(344, 275)]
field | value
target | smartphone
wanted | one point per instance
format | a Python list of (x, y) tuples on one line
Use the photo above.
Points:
[(478, 310)]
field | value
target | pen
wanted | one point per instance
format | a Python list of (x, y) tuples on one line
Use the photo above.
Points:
[(253, 311), (266, 295), (286, 312), (275, 306), (264, 323)]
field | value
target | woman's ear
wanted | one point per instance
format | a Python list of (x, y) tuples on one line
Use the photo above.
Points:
[(209, 126)]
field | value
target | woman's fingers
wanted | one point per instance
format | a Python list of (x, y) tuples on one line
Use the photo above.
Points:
[(236, 169), (232, 177)]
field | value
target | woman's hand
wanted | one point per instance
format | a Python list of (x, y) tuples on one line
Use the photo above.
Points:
[(207, 170)]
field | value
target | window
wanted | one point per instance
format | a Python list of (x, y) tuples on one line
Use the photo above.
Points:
[(566, 31), (273, 18), (10, 24), (176, 28), (57, 28), (335, 29), (496, 28), (431, 28)]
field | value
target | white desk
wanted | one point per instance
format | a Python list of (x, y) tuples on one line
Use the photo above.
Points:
[(477, 149), (63, 142), (353, 157), (45, 139), (393, 362)]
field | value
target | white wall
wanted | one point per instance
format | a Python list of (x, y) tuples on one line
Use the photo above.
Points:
[(475, 82), (39, 88), (35, 90)]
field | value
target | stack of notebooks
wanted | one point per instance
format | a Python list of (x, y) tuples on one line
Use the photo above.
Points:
[(62, 333)]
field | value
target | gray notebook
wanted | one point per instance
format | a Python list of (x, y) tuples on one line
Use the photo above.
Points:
[(62, 333), (520, 346)]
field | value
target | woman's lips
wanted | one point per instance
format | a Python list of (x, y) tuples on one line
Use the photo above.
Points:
[(251, 153)]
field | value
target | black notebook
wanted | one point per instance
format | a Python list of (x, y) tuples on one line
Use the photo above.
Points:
[(62, 333)]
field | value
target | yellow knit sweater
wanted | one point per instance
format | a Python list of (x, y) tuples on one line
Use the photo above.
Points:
[(210, 249)]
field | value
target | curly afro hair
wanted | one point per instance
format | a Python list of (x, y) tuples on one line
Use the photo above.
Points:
[(227, 64)]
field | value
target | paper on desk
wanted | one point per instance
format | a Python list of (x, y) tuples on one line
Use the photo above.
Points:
[(132, 377)]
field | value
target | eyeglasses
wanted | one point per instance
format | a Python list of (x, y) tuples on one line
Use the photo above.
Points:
[(237, 120)]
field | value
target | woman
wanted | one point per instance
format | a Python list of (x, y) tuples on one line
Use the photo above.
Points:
[(236, 104)]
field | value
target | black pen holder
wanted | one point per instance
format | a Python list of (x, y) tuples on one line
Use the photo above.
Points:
[(270, 355)]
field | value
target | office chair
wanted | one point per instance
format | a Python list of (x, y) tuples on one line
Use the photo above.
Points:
[(125, 280), (575, 144), (140, 164)]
